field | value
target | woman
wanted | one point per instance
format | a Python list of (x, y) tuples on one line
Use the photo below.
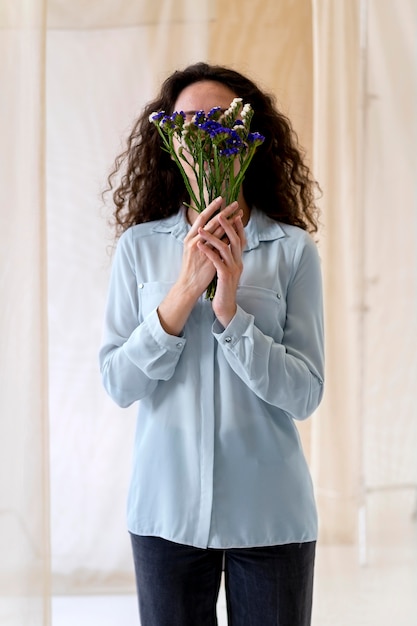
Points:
[(219, 476)]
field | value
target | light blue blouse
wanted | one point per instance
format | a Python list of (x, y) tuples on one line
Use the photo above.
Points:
[(217, 456)]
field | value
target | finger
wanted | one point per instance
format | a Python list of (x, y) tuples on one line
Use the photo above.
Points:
[(213, 224), (212, 255), (208, 240), (220, 232), (236, 236), (205, 215), (240, 229), (229, 228), (236, 221)]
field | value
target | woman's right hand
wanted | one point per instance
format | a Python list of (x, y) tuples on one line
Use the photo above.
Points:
[(197, 270)]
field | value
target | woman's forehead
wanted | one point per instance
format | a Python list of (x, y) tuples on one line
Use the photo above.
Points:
[(203, 96)]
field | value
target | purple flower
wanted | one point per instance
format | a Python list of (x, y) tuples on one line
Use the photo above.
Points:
[(213, 128), (167, 123), (255, 139), (178, 117), (228, 152), (214, 113), (234, 139), (156, 116), (199, 118), (232, 143)]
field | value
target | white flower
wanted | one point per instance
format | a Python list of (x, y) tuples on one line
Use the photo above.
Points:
[(246, 110), (234, 106), (235, 103)]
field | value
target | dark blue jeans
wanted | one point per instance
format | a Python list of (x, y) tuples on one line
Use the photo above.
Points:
[(178, 585)]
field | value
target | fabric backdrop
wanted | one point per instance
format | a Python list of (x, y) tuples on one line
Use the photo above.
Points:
[(344, 73), (24, 451)]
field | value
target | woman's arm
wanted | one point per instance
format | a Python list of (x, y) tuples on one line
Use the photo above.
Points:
[(135, 356), (289, 374)]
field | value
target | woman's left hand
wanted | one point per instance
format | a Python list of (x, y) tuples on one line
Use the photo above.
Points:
[(226, 256)]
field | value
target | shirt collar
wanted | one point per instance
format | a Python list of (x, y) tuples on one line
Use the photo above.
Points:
[(176, 224), (259, 228)]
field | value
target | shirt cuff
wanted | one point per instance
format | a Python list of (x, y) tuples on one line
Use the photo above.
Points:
[(151, 332), (235, 330), (162, 338)]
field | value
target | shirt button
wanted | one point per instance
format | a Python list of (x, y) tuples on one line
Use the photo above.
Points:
[(141, 285), (279, 296), (179, 344), (228, 339)]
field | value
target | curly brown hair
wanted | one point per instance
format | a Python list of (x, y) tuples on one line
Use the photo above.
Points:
[(278, 182)]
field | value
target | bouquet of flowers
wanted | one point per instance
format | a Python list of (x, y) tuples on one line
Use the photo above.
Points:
[(217, 146)]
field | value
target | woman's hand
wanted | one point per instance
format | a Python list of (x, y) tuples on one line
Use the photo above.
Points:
[(226, 256), (197, 269)]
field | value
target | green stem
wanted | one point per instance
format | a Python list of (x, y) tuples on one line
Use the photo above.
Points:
[(241, 174), (200, 174), (217, 191), (170, 148)]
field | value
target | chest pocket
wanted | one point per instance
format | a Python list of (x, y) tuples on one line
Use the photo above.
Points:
[(150, 296), (267, 307)]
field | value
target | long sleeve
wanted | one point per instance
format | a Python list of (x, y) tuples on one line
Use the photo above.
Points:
[(135, 354), (289, 374)]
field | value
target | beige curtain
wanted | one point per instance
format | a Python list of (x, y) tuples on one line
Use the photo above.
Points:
[(24, 479), (388, 433), (338, 148), (343, 71), (364, 441)]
